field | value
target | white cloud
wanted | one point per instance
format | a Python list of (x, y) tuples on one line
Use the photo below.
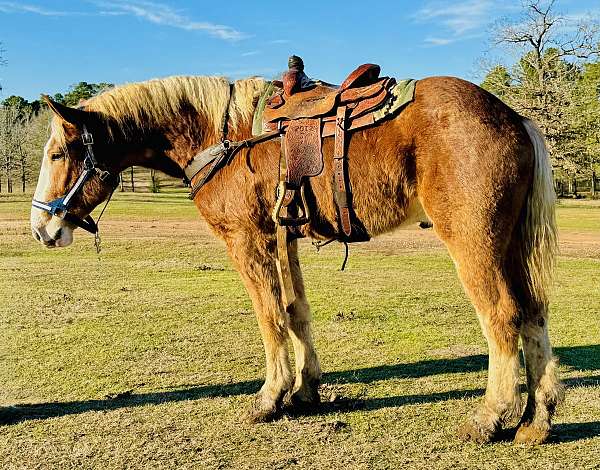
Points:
[(458, 17), (13, 7), (458, 20), (438, 41), (160, 13), (153, 12), (250, 53)]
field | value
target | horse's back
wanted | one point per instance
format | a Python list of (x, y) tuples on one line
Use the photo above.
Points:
[(453, 150)]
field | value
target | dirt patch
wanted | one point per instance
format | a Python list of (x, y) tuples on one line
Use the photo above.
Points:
[(580, 244), (572, 244)]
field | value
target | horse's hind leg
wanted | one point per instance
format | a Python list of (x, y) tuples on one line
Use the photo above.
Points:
[(254, 257), (308, 372), (544, 389), (500, 315)]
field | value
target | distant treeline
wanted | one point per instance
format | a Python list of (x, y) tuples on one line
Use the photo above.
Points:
[(554, 80), (555, 83), (24, 130)]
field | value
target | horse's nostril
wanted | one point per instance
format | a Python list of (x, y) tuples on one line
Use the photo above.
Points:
[(58, 234)]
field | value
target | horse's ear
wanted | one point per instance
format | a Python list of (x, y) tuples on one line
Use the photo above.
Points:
[(69, 115)]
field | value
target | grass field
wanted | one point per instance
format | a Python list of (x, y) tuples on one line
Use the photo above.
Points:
[(147, 356)]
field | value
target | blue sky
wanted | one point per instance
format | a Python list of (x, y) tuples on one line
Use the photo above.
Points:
[(50, 45)]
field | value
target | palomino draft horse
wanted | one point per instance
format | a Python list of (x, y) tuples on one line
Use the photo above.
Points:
[(478, 170)]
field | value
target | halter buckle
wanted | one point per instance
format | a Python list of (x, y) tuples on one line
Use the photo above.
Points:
[(103, 175), (86, 137)]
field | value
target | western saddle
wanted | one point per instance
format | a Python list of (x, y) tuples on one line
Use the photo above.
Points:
[(302, 112), (305, 112)]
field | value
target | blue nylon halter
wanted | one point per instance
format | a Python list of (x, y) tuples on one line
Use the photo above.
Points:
[(60, 207)]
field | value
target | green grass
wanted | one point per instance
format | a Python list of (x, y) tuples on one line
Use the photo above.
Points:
[(580, 215), (147, 356)]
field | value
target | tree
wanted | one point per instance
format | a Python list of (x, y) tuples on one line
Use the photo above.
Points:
[(11, 143), (585, 115), (23, 106), (498, 81), (22, 136), (16, 102), (82, 91), (542, 84)]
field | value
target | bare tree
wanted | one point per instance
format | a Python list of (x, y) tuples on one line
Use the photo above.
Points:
[(22, 136), (10, 140), (542, 84)]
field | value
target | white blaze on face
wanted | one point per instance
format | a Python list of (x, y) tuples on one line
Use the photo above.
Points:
[(49, 231)]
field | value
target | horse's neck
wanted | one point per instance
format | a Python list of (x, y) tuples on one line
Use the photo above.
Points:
[(170, 150)]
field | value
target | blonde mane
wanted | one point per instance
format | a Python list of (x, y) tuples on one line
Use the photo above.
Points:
[(157, 103)]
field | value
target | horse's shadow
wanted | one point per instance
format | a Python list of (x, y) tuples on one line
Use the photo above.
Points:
[(584, 358)]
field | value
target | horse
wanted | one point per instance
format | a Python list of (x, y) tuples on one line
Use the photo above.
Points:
[(456, 155)]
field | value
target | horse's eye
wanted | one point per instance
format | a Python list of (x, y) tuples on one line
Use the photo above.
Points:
[(56, 156)]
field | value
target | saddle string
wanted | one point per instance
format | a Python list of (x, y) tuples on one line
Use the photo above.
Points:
[(320, 244)]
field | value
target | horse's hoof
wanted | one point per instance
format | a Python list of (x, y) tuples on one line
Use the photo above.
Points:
[(529, 434), (474, 432), (302, 400), (261, 411)]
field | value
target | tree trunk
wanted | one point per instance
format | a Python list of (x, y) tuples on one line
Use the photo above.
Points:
[(9, 188), (154, 182), (593, 182), (23, 175), (23, 163)]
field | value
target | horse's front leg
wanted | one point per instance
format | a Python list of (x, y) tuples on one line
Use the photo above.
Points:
[(308, 371), (254, 257)]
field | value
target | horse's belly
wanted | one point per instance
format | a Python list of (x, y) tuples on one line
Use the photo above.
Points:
[(414, 214)]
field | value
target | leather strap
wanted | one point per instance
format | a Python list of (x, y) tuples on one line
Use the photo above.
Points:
[(219, 155), (339, 172), (288, 295)]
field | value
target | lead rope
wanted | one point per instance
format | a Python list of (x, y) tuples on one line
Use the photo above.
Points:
[(97, 239)]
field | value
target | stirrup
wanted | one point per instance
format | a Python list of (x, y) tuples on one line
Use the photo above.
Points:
[(304, 213)]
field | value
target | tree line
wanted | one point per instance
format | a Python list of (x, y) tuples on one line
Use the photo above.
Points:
[(24, 130), (555, 80), (550, 73)]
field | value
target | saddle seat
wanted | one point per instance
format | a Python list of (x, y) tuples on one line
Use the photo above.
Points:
[(302, 98)]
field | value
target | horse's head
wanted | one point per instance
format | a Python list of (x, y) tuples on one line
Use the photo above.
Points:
[(77, 173)]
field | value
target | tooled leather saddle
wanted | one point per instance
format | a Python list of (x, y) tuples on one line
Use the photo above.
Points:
[(306, 112), (303, 112)]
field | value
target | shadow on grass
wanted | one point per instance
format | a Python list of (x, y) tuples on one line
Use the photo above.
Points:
[(569, 432), (579, 358)]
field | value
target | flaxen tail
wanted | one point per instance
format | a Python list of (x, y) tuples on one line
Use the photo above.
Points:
[(539, 233)]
